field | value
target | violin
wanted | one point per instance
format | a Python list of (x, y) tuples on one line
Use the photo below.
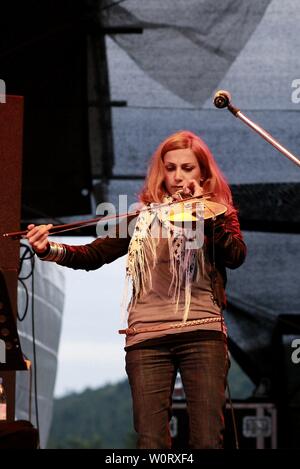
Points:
[(179, 211), (185, 211)]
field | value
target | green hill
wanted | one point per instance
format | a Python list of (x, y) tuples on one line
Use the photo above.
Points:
[(100, 418)]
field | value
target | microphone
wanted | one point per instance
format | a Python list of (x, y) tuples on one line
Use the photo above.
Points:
[(222, 99)]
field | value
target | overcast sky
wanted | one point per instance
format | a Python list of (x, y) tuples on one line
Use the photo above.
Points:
[(91, 351)]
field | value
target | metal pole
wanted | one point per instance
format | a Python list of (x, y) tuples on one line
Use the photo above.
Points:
[(222, 99), (264, 134)]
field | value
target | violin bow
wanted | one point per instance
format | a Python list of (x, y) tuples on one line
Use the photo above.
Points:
[(15, 235)]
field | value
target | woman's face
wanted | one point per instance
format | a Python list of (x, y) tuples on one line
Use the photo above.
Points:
[(180, 166)]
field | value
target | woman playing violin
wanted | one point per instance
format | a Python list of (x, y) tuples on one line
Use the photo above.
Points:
[(175, 320)]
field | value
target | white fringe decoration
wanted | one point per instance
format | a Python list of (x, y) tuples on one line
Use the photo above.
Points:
[(186, 260)]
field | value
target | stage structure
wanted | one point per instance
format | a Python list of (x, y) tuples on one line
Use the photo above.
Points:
[(104, 82)]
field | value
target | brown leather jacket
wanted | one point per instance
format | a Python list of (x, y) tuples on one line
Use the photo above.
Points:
[(226, 250)]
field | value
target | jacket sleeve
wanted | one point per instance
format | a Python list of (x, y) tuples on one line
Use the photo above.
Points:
[(99, 252), (227, 238), (96, 254)]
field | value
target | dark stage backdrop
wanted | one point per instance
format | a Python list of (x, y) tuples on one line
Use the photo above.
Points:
[(43, 58)]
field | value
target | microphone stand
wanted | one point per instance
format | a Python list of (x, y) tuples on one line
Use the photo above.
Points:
[(262, 132)]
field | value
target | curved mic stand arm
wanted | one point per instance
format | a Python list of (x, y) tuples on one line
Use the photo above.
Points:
[(263, 133)]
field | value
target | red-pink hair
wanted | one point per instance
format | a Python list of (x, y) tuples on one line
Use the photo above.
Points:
[(213, 179)]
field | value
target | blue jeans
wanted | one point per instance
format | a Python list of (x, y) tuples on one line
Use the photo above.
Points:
[(152, 368)]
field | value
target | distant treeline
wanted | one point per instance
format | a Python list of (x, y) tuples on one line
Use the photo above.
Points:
[(100, 418)]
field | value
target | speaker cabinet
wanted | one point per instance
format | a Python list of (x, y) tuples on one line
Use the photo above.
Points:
[(11, 143), (11, 138)]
